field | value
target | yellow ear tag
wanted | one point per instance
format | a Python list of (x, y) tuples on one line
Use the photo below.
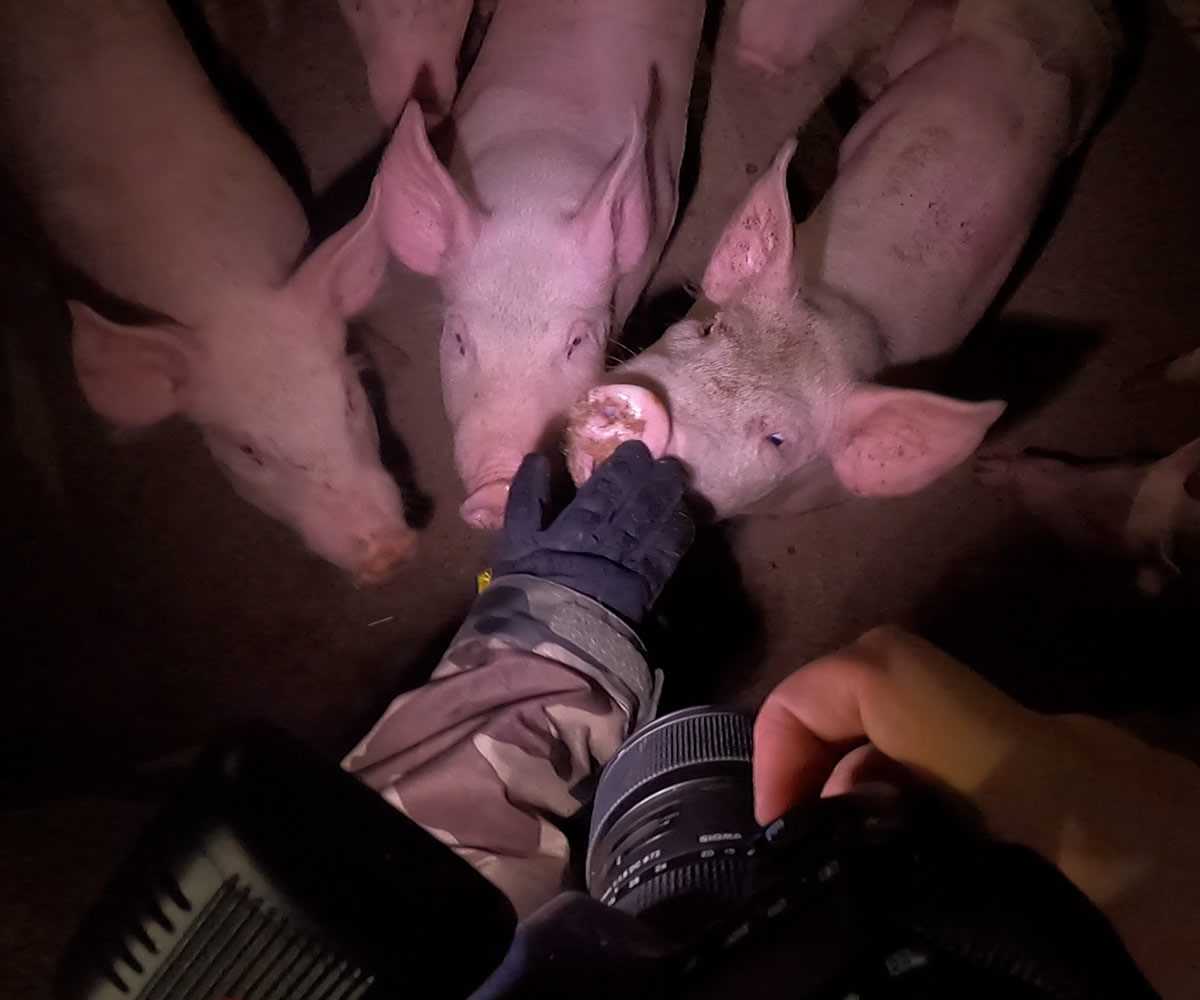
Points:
[(482, 580)]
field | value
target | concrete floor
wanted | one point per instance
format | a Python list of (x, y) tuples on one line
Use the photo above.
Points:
[(149, 606)]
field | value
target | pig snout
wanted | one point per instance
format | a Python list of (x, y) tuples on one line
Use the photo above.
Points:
[(484, 507), (382, 553), (609, 415), (487, 461), (364, 537), (490, 442)]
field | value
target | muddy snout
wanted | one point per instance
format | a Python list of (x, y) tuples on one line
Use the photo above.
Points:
[(367, 538), (609, 415), (382, 553)]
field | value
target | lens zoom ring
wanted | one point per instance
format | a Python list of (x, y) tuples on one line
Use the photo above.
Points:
[(696, 736)]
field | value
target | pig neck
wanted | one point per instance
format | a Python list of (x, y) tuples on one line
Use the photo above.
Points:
[(842, 340), (547, 107), (140, 178)]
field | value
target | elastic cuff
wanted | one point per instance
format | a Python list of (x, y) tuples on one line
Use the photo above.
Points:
[(607, 649)]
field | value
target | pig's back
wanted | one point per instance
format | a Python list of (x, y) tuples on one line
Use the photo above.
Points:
[(941, 179), (139, 176)]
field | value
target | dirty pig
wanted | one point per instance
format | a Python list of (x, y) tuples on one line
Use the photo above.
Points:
[(561, 191), (765, 390), (144, 184)]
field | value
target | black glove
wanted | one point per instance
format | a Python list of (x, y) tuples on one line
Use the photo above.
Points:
[(617, 542)]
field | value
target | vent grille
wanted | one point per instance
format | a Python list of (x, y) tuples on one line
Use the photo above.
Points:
[(242, 949)]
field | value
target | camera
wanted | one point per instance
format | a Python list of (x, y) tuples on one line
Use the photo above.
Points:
[(273, 875)]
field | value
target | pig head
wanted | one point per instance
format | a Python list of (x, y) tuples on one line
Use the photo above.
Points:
[(528, 297), (938, 186), (764, 386), (266, 378)]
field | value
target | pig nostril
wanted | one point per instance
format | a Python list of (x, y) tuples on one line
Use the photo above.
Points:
[(484, 508), (383, 554), (486, 520)]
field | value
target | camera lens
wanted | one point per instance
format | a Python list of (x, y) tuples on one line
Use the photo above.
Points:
[(673, 816)]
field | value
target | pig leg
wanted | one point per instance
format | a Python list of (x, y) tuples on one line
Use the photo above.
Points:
[(411, 50)]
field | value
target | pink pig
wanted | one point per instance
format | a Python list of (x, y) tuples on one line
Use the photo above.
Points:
[(562, 189), (1145, 513), (767, 384), (145, 184), (411, 51)]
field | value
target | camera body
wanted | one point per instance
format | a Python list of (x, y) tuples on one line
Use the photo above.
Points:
[(274, 875)]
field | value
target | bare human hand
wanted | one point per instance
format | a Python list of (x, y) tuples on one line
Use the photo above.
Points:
[(1119, 818)]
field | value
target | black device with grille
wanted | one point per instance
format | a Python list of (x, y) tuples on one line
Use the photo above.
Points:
[(274, 875)]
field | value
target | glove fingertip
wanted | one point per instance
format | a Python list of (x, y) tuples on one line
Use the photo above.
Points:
[(630, 457), (529, 494)]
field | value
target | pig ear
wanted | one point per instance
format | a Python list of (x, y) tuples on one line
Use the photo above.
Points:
[(898, 441), (426, 219), (133, 376), (615, 215), (346, 270), (756, 247)]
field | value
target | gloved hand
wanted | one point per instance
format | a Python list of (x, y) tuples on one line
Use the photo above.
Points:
[(618, 541)]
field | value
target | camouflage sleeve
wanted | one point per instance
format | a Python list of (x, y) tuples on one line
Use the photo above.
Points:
[(535, 692)]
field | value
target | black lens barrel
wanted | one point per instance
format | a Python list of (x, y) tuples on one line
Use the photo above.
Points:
[(673, 816)]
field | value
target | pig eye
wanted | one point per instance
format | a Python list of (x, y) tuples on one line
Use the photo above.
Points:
[(454, 325), (776, 440), (580, 331), (250, 453)]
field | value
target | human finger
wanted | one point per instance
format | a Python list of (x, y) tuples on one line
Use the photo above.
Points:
[(916, 704)]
